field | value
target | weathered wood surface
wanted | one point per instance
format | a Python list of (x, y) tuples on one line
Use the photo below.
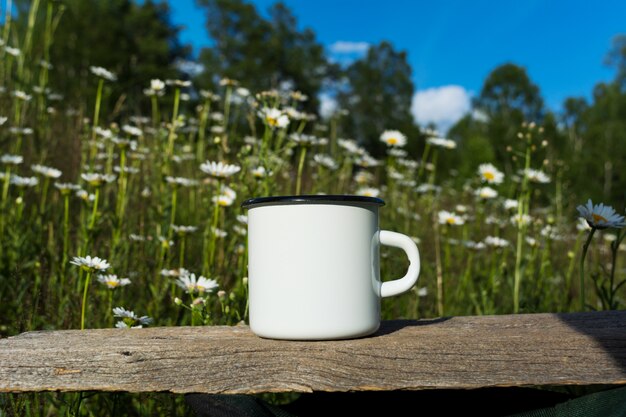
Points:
[(458, 352)]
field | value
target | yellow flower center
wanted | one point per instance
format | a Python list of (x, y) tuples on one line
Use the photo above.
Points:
[(222, 202), (597, 218), (112, 284), (272, 121), (489, 176), (450, 220), (392, 141)]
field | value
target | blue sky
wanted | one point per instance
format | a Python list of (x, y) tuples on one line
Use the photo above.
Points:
[(452, 45)]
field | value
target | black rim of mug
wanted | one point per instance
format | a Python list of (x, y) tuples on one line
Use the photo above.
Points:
[(299, 199)]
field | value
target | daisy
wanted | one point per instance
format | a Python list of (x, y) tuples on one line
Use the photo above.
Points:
[(219, 169), (24, 181), (441, 142), (259, 172), (201, 284), (307, 140), (393, 138), (178, 83), (157, 85), (242, 218), (366, 161), (11, 159), (326, 161), (219, 233), (174, 273), (600, 216), (12, 51), (112, 281), (183, 230), (368, 192), (398, 153), (21, 95), (452, 219), (363, 177), (510, 204), (66, 188), (185, 182), (535, 175), (132, 130), (490, 174), (274, 117), (103, 73), (522, 220), (496, 242), (46, 171), (90, 264), (3, 120), (350, 146), (486, 193), (223, 200), (96, 179)]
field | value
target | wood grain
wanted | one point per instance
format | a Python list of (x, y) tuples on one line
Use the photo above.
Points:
[(457, 352)]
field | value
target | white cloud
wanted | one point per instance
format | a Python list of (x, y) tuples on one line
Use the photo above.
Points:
[(442, 106), (346, 47)]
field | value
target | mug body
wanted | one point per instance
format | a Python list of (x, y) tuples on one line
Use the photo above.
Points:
[(313, 267)]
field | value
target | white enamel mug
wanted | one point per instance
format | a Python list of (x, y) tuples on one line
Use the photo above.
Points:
[(313, 266)]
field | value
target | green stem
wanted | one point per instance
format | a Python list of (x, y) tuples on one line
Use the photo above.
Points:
[(96, 121), (582, 268), (181, 260), (300, 169), (66, 231), (94, 211), (85, 289), (44, 193), (522, 208)]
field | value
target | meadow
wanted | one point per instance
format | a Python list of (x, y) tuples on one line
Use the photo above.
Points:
[(155, 196)]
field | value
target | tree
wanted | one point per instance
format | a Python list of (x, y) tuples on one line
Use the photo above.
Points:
[(508, 98), (135, 40), (262, 53), (378, 96)]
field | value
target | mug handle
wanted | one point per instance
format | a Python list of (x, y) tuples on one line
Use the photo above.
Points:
[(398, 240)]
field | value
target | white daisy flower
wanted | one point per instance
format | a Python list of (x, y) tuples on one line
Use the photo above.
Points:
[(96, 179), (105, 133), (12, 51), (474, 245), (366, 161), (307, 140), (219, 233), (112, 281), (326, 161), (223, 200), (582, 225), (510, 204), (66, 187), (201, 284), (535, 175), (183, 230), (174, 273), (259, 172), (103, 73), (522, 220), (441, 142), (90, 264), (185, 182), (178, 83), (363, 177), (46, 171), (393, 138), (21, 95), (600, 216), (368, 192), (11, 159), (132, 130), (496, 242), (219, 169), (422, 292), (156, 84), (486, 193), (24, 181), (400, 153), (452, 219), (242, 218), (3, 120), (274, 117), (350, 146), (242, 231), (490, 174)]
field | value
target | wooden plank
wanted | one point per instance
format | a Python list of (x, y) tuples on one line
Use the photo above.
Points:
[(457, 352)]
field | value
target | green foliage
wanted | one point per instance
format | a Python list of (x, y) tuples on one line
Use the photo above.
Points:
[(378, 97)]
